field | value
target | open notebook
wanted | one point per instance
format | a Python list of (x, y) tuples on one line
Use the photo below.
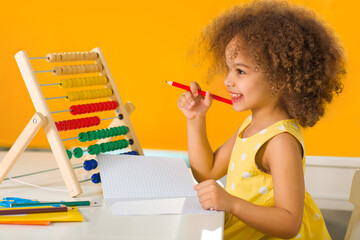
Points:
[(139, 185)]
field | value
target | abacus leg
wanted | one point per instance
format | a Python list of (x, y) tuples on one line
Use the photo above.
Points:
[(29, 132)]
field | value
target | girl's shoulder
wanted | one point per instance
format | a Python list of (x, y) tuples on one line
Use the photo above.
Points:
[(285, 135), (287, 126)]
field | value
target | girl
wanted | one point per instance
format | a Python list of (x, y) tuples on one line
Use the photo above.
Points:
[(284, 65)]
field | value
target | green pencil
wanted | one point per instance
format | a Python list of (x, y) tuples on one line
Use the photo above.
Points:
[(75, 203)]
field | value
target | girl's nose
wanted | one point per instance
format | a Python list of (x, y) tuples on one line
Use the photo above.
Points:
[(228, 81)]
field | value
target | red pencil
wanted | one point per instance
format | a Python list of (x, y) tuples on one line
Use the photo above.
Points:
[(202, 93)]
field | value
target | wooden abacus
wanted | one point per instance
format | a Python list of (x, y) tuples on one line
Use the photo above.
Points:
[(120, 125)]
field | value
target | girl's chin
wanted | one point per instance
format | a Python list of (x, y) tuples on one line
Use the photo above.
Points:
[(239, 108)]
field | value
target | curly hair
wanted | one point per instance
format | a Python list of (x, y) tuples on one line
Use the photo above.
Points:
[(297, 52)]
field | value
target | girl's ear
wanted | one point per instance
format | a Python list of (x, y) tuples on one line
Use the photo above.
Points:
[(277, 89)]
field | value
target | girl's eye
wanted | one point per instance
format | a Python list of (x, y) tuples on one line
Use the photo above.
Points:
[(239, 71)]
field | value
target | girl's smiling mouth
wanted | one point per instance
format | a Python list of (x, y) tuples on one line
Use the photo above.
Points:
[(236, 97)]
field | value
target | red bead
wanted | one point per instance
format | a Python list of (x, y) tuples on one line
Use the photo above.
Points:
[(93, 107), (89, 122), (86, 107), (67, 125), (101, 106), (96, 107), (82, 122), (81, 109), (97, 120), (57, 126), (86, 122), (72, 124), (77, 123), (62, 125), (114, 104), (106, 105), (74, 110), (89, 108)]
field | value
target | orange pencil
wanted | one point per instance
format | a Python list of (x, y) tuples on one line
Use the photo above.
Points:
[(202, 93), (41, 223)]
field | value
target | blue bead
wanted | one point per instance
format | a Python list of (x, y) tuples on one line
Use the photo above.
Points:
[(90, 164), (87, 165), (131, 153), (95, 178), (94, 163)]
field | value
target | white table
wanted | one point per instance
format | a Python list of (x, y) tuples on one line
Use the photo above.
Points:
[(99, 222)]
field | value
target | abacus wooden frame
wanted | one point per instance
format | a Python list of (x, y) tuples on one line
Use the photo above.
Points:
[(43, 118)]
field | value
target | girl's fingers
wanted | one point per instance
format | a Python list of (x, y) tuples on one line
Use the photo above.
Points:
[(180, 103), (190, 99), (205, 188), (207, 205), (194, 87), (205, 183), (208, 98)]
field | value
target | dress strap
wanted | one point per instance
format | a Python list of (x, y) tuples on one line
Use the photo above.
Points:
[(245, 123)]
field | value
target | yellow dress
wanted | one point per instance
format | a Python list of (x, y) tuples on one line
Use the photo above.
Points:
[(246, 181)]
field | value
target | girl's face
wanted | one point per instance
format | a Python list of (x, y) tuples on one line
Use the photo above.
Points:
[(245, 83)]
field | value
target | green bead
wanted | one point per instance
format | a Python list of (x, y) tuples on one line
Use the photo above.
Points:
[(101, 134), (121, 130), (91, 135), (108, 133), (111, 146), (78, 152), (83, 137), (122, 144), (126, 130), (96, 133), (113, 132), (104, 147), (126, 143), (118, 130), (91, 149), (118, 144), (98, 149), (69, 153), (103, 131)]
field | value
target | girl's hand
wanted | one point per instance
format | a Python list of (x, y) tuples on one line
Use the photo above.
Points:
[(213, 196), (193, 104)]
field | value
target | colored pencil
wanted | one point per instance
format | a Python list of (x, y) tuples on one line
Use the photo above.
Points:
[(42, 223), (15, 211), (202, 93), (74, 203)]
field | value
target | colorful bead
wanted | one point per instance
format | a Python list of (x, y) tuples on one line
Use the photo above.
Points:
[(77, 123), (69, 153), (78, 152), (83, 82), (95, 178), (89, 94)]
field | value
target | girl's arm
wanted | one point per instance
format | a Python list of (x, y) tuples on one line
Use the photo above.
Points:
[(205, 164), (283, 155)]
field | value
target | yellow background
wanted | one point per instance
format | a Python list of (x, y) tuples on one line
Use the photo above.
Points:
[(145, 43)]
